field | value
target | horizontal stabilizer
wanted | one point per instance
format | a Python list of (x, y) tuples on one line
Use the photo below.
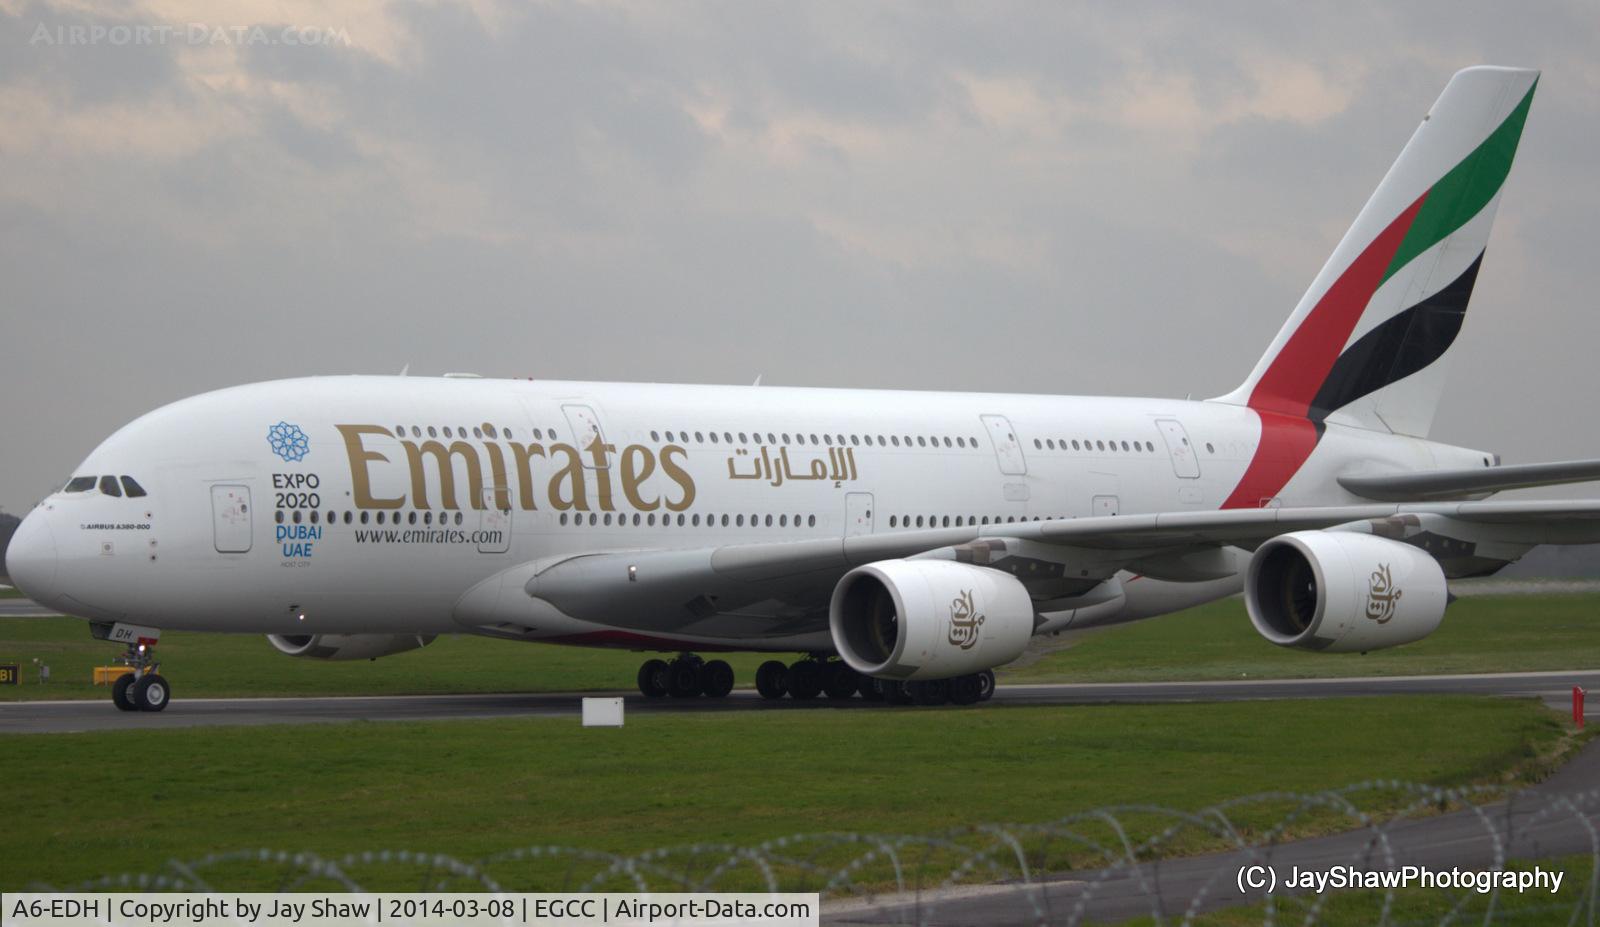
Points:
[(1458, 484)]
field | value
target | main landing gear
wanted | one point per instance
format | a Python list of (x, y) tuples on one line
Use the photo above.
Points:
[(689, 676), (686, 677), (142, 688), (818, 675)]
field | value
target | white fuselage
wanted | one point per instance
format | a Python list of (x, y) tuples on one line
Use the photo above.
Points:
[(320, 505)]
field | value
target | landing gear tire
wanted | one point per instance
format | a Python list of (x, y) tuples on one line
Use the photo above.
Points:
[(896, 692), (150, 692), (871, 689), (683, 679), (839, 680), (772, 680), (653, 679), (119, 693), (805, 679), (930, 691), (966, 690), (985, 685), (716, 679)]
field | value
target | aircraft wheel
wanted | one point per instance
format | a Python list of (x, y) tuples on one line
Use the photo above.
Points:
[(896, 692), (839, 680), (966, 690), (930, 691), (772, 680), (805, 679), (119, 693), (683, 679), (653, 678), (716, 679), (985, 685), (150, 692), (871, 689)]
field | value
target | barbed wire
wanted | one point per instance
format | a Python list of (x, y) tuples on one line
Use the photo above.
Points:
[(1115, 863)]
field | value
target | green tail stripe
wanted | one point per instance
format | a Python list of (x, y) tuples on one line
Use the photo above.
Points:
[(1462, 193)]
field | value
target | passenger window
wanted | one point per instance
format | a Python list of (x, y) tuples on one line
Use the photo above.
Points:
[(80, 484), (108, 485)]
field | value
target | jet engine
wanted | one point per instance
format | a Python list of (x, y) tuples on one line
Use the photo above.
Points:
[(1341, 592), (347, 646), (928, 619)]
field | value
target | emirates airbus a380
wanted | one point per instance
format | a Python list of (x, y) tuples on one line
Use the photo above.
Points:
[(900, 544)]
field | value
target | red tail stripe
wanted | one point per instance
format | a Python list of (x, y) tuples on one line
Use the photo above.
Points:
[(1286, 442), (1282, 397), (1295, 375)]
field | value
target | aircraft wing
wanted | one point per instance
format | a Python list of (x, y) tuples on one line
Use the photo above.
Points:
[(783, 588), (1457, 484)]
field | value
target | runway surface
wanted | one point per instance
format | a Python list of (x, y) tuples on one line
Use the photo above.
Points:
[(63, 716), (24, 608)]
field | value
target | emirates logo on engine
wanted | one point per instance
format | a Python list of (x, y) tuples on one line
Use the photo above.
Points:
[(964, 621), (1382, 595)]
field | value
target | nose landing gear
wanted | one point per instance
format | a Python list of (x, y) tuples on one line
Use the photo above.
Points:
[(142, 688)]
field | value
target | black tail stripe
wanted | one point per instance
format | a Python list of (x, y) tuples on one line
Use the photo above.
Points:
[(1399, 347)]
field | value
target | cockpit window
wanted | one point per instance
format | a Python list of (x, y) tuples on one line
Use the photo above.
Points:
[(80, 484), (108, 486), (132, 488)]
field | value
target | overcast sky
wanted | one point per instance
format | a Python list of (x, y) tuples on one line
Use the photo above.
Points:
[(1115, 198)]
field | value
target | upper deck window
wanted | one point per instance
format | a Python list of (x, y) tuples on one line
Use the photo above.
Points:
[(80, 484)]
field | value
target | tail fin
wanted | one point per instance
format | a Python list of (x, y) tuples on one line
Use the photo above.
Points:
[(1366, 344)]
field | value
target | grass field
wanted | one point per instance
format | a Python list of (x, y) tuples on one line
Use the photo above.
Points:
[(200, 664), (1211, 642), (78, 806), (1216, 641)]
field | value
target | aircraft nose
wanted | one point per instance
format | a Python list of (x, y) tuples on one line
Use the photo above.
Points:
[(31, 557)]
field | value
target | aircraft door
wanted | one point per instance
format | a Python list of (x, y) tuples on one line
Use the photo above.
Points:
[(230, 518), (494, 522), (1185, 462), (585, 432), (1007, 449), (857, 514)]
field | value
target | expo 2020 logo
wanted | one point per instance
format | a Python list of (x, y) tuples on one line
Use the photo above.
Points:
[(288, 441)]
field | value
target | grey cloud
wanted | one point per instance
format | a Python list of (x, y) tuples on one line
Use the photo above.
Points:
[(534, 197)]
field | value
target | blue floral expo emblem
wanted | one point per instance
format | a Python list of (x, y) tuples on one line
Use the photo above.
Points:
[(288, 441)]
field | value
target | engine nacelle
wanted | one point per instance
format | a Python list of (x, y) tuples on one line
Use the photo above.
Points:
[(347, 646), (928, 619), (1341, 592)]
